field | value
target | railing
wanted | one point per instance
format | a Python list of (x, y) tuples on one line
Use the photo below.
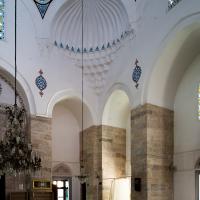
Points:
[(172, 3)]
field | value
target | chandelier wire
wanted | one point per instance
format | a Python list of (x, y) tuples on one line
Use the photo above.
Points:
[(15, 104), (82, 77)]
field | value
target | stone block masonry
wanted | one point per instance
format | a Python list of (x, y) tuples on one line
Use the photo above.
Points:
[(152, 152), (41, 139), (104, 159)]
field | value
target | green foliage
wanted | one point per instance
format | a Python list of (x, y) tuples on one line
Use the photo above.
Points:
[(16, 153)]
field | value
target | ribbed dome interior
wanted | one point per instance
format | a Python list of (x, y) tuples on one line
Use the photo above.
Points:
[(105, 24)]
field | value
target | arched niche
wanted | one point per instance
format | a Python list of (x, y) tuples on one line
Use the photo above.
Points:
[(117, 128), (61, 170), (177, 52), (174, 84), (7, 98), (68, 95), (8, 91), (66, 128), (117, 109)]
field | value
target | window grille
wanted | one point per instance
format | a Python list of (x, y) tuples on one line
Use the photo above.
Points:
[(1, 19), (172, 3)]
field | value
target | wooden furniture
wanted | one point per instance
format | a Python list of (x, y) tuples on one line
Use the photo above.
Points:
[(39, 195), (18, 196)]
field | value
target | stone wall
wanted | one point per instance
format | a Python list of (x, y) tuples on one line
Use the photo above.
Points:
[(41, 139), (113, 157), (91, 160), (40, 133), (40, 129), (152, 152), (104, 156)]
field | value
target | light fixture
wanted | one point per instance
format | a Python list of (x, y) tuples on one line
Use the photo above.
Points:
[(16, 153)]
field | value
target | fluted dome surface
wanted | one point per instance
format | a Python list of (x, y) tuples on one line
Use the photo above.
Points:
[(105, 24)]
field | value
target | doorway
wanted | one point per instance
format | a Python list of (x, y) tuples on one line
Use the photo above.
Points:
[(83, 191), (2, 187), (63, 189)]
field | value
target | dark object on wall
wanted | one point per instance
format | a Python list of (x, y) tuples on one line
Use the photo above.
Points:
[(42, 184), (54, 190), (83, 191), (2, 187), (137, 184), (0, 89)]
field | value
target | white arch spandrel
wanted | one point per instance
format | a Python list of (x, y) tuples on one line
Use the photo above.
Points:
[(8, 68), (114, 87), (71, 94), (116, 105), (177, 51)]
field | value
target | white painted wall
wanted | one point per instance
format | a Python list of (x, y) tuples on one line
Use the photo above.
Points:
[(36, 51), (75, 189), (65, 143), (186, 133), (7, 94), (117, 113), (65, 138)]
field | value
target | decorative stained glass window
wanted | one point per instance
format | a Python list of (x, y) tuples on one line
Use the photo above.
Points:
[(172, 3), (1, 19), (199, 102)]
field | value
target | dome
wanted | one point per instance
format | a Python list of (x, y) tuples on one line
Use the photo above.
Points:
[(105, 25)]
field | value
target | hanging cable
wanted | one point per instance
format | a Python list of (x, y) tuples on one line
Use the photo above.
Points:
[(82, 76), (15, 104)]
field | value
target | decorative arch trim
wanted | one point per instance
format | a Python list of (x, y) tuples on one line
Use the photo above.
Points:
[(120, 87), (66, 94), (164, 72), (24, 87)]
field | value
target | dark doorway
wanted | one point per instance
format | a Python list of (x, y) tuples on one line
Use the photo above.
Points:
[(83, 191), (2, 188)]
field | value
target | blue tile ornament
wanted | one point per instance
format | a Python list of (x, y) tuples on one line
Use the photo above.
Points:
[(137, 72), (42, 6), (41, 83)]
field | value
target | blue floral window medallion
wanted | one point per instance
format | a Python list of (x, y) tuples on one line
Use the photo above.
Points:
[(137, 72), (41, 83), (42, 6)]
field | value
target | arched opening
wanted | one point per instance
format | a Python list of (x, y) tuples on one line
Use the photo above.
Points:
[(66, 128), (116, 147), (174, 84), (7, 98), (186, 132)]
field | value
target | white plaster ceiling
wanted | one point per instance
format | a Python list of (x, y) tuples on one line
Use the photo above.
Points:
[(106, 23)]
